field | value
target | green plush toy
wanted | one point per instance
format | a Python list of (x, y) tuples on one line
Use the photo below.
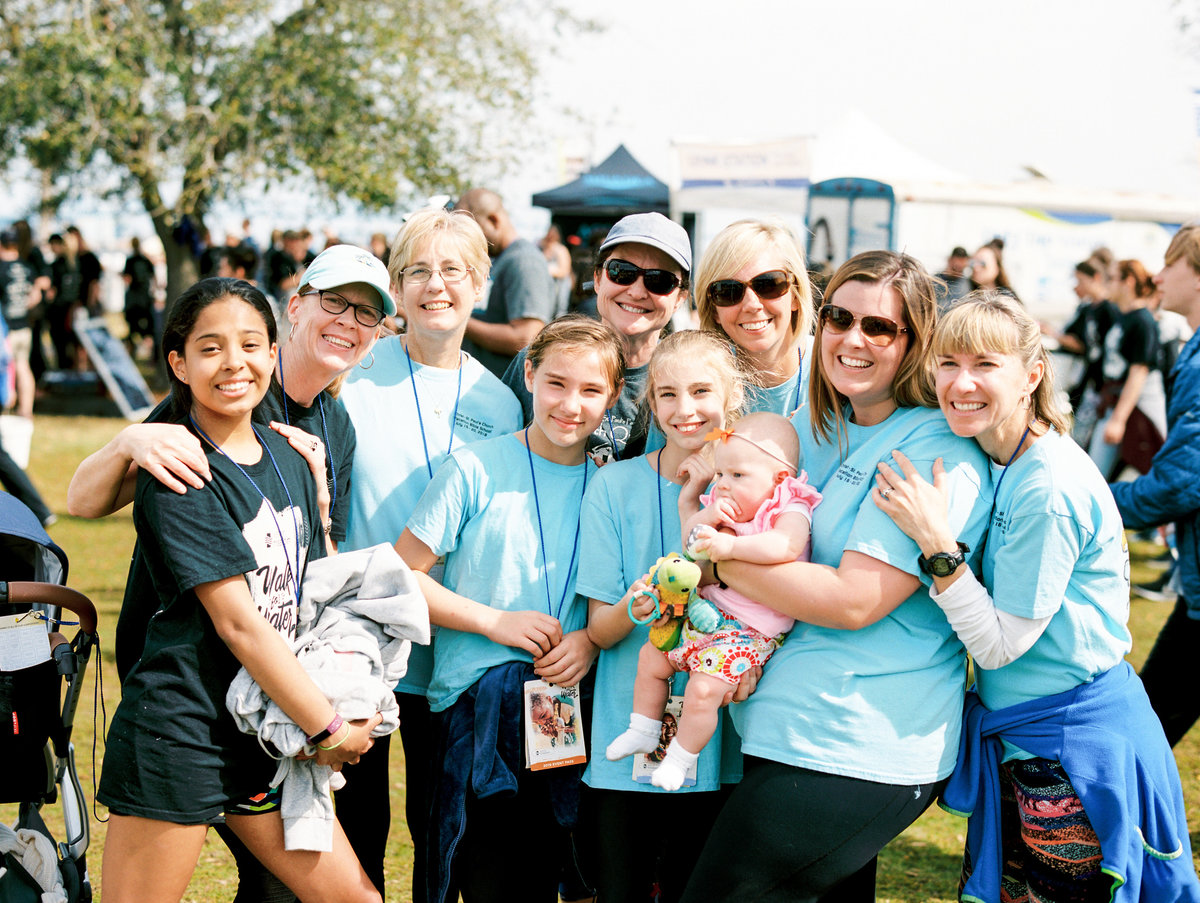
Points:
[(675, 579)]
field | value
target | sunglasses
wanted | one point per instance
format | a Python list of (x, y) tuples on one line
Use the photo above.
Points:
[(879, 331), (657, 282), (768, 286)]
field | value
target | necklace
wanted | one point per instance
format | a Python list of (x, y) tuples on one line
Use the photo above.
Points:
[(537, 507), (292, 571), (662, 539), (412, 379)]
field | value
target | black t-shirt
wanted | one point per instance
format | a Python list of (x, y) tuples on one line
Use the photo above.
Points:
[(16, 284), (140, 604), (1133, 339), (1090, 326), (173, 751), (140, 271)]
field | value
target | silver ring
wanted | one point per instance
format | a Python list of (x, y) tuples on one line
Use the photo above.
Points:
[(884, 493)]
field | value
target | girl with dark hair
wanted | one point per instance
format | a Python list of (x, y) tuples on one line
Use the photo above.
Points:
[(226, 563)]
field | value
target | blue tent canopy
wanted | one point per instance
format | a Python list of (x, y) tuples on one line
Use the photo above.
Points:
[(618, 186)]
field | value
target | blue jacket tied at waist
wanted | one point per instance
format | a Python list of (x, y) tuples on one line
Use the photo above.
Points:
[(1112, 747)]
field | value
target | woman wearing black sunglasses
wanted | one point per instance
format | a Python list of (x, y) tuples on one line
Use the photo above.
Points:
[(752, 285), (854, 724), (641, 277)]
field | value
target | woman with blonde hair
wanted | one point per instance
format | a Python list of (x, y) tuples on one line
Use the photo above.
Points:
[(1061, 750), (854, 724), (752, 286)]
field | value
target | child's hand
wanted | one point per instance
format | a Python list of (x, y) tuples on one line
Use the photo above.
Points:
[(568, 662), (696, 473), (357, 742), (644, 605), (716, 545), (532, 631)]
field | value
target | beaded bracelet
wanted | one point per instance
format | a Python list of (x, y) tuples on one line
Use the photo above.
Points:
[(334, 726), (339, 743)]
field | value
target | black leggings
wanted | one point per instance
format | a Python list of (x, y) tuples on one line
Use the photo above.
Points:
[(1169, 669), (631, 840), (791, 834)]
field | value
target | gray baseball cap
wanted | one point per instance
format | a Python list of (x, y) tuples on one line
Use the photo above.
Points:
[(655, 230)]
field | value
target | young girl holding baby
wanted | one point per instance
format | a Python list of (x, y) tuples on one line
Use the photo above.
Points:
[(759, 510), (227, 561), (505, 513), (631, 518)]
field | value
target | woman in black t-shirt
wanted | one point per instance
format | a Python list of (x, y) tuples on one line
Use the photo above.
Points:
[(227, 562)]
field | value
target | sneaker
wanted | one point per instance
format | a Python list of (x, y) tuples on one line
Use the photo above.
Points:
[(50, 520), (1158, 590)]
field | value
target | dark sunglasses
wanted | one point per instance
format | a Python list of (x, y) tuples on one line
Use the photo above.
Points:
[(768, 286), (334, 303), (657, 282), (879, 331)]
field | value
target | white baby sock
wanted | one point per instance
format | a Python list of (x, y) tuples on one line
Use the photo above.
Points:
[(642, 737), (674, 767)]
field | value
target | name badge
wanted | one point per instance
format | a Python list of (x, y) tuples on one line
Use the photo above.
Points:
[(553, 726), (645, 764)]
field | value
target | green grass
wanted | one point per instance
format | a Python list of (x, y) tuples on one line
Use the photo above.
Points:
[(921, 866)]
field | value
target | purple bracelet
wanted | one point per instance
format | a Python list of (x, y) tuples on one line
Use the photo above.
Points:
[(334, 726)]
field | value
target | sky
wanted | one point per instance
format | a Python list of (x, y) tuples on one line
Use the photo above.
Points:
[(1091, 92)]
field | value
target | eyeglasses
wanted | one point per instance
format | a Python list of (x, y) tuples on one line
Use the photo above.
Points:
[(879, 331), (657, 282), (419, 275), (768, 286), (332, 302)]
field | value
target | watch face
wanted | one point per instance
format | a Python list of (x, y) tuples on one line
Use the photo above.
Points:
[(944, 565)]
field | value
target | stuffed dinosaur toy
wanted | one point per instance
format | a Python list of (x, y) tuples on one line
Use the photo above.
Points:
[(675, 579)]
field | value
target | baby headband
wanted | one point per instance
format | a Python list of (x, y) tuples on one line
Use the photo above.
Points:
[(724, 435)]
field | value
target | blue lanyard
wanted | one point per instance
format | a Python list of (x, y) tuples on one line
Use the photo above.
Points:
[(412, 378), (662, 539), (996, 491), (554, 613), (612, 435), (295, 524), (324, 433), (799, 380)]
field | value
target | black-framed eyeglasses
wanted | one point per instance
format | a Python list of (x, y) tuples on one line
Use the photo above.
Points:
[(418, 274), (657, 282), (879, 331), (332, 302), (768, 286)]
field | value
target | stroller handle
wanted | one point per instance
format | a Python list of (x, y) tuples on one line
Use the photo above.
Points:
[(30, 592)]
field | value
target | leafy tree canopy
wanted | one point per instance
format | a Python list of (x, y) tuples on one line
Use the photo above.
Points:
[(189, 101)]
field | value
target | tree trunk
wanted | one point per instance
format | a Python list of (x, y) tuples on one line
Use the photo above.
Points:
[(181, 273)]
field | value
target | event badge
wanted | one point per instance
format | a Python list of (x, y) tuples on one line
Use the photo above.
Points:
[(645, 764), (553, 726)]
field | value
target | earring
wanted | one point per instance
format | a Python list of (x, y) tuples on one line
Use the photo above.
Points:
[(366, 366), (292, 333)]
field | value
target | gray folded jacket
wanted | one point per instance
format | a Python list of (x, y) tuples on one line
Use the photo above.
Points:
[(360, 613)]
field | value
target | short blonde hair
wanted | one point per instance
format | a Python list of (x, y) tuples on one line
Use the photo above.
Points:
[(913, 386), (458, 225), (1185, 243), (991, 322), (736, 246)]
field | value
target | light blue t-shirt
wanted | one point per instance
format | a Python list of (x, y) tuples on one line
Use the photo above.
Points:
[(883, 703), (630, 519), (480, 512), (790, 395), (1058, 544), (391, 469)]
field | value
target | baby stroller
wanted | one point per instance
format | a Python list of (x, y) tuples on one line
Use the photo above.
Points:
[(41, 677)]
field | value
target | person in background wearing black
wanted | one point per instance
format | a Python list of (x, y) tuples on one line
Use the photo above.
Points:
[(140, 284)]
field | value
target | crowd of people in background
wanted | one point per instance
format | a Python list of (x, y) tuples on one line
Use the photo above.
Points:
[(530, 426)]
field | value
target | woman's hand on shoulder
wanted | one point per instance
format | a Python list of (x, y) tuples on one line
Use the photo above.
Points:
[(169, 452), (569, 661), (918, 507), (358, 740), (310, 448)]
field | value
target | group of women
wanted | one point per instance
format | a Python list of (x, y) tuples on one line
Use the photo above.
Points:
[(526, 552)]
